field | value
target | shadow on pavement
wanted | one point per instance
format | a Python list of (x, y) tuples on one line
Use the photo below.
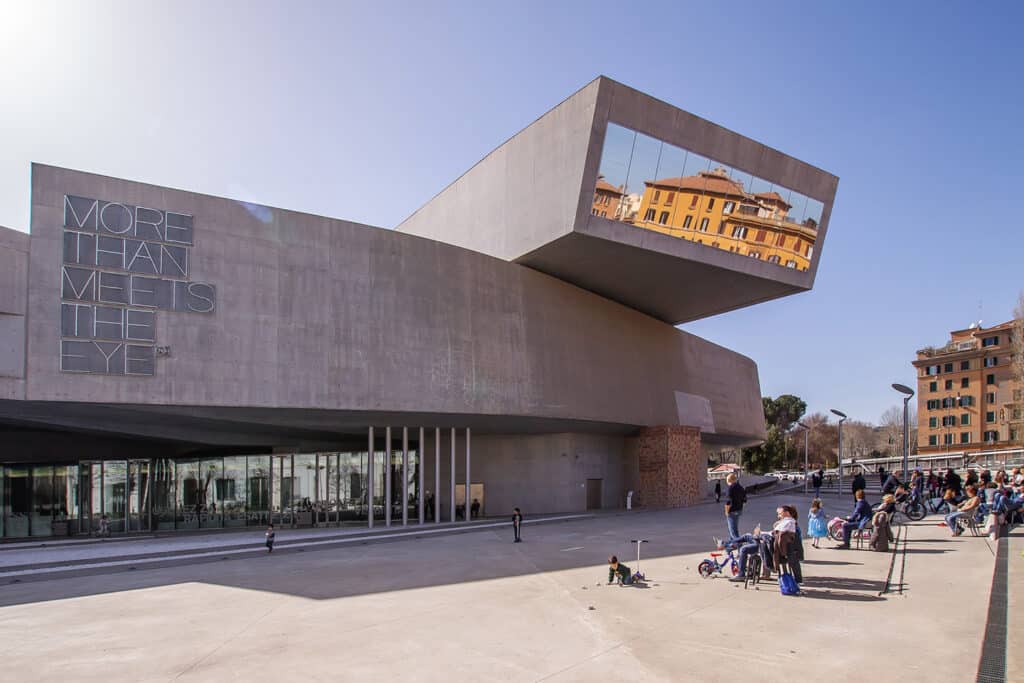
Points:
[(846, 584), (925, 551), (358, 568), (829, 562), (846, 597)]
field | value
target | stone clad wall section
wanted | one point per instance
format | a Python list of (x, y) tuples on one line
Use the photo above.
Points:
[(673, 470)]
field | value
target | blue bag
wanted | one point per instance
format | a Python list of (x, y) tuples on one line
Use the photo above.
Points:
[(787, 584)]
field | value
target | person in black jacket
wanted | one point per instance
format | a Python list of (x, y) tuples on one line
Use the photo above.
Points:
[(517, 522), (952, 482), (861, 515), (890, 484), (858, 483)]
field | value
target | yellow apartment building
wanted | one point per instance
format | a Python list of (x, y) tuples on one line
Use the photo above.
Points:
[(967, 396), (713, 209)]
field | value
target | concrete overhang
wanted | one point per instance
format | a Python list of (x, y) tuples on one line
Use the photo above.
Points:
[(530, 201)]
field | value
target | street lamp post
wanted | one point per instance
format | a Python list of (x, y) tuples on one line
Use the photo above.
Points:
[(908, 394), (842, 419), (807, 430)]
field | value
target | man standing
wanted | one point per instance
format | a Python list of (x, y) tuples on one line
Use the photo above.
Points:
[(858, 483), (718, 490), (517, 522), (816, 483), (737, 496)]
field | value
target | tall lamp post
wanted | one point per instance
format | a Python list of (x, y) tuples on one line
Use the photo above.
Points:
[(908, 394), (807, 430), (842, 419)]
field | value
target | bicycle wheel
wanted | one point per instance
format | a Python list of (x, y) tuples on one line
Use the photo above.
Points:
[(706, 568), (753, 573), (915, 511), (835, 532)]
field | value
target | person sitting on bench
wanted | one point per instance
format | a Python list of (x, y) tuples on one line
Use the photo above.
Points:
[(966, 507), (860, 517)]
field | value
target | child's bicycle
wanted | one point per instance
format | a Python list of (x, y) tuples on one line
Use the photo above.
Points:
[(712, 566)]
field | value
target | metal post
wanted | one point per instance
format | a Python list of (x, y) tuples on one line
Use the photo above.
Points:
[(419, 466), (387, 476), (405, 476), (906, 439), (840, 490), (369, 479), (437, 475), (451, 512), (467, 513), (807, 433), (842, 418)]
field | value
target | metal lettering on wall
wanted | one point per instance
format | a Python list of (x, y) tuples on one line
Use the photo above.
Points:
[(122, 264)]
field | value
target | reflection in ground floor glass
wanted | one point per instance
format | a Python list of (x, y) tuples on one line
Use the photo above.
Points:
[(163, 494)]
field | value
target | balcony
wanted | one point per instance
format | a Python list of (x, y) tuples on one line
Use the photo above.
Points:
[(950, 348)]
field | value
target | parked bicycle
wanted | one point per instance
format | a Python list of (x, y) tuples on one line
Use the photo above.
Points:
[(711, 565)]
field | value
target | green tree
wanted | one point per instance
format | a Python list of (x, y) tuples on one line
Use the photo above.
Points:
[(780, 415)]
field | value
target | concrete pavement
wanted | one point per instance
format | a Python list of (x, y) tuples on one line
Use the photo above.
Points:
[(476, 604)]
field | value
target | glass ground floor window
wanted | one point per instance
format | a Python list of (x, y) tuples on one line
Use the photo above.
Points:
[(162, 494)]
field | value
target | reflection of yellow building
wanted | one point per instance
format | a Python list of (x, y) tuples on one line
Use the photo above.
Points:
[(713, 209)]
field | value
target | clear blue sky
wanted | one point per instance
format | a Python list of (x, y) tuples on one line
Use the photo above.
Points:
[(365, 110)]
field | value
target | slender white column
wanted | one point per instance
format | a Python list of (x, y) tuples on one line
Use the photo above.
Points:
[(419, 463), (387, 476), (437, 475), (369, 479), (405, 476), (467, 514), (452, 510)]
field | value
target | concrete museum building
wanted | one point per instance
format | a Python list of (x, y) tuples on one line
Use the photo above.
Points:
[(172, 360)]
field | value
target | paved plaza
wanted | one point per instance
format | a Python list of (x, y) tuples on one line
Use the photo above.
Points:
[(330, 606)]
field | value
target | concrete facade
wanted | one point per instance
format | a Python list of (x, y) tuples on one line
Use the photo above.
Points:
[(14, 248), (534, 326)]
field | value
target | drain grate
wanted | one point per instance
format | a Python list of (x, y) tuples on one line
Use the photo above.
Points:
[(992, 667)]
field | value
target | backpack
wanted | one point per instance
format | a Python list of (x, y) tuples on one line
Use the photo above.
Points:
[(787, 584)]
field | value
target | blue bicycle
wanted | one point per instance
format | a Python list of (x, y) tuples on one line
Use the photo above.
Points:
[(711, 566)]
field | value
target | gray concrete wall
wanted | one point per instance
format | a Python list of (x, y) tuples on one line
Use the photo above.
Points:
[(523, 194), (327, 314), (544, 473), (14, 249)]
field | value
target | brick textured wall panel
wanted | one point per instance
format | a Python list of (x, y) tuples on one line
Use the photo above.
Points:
[(673, 471)]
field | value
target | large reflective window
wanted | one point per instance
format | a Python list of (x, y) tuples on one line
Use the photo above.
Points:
[(304, 488), (17, 501), (42, 501), (188, 506), (115, 489), (282, 490), (163, 494), (230, 491), (212, 471), (139, 495), (657, 186), (258, 490)]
